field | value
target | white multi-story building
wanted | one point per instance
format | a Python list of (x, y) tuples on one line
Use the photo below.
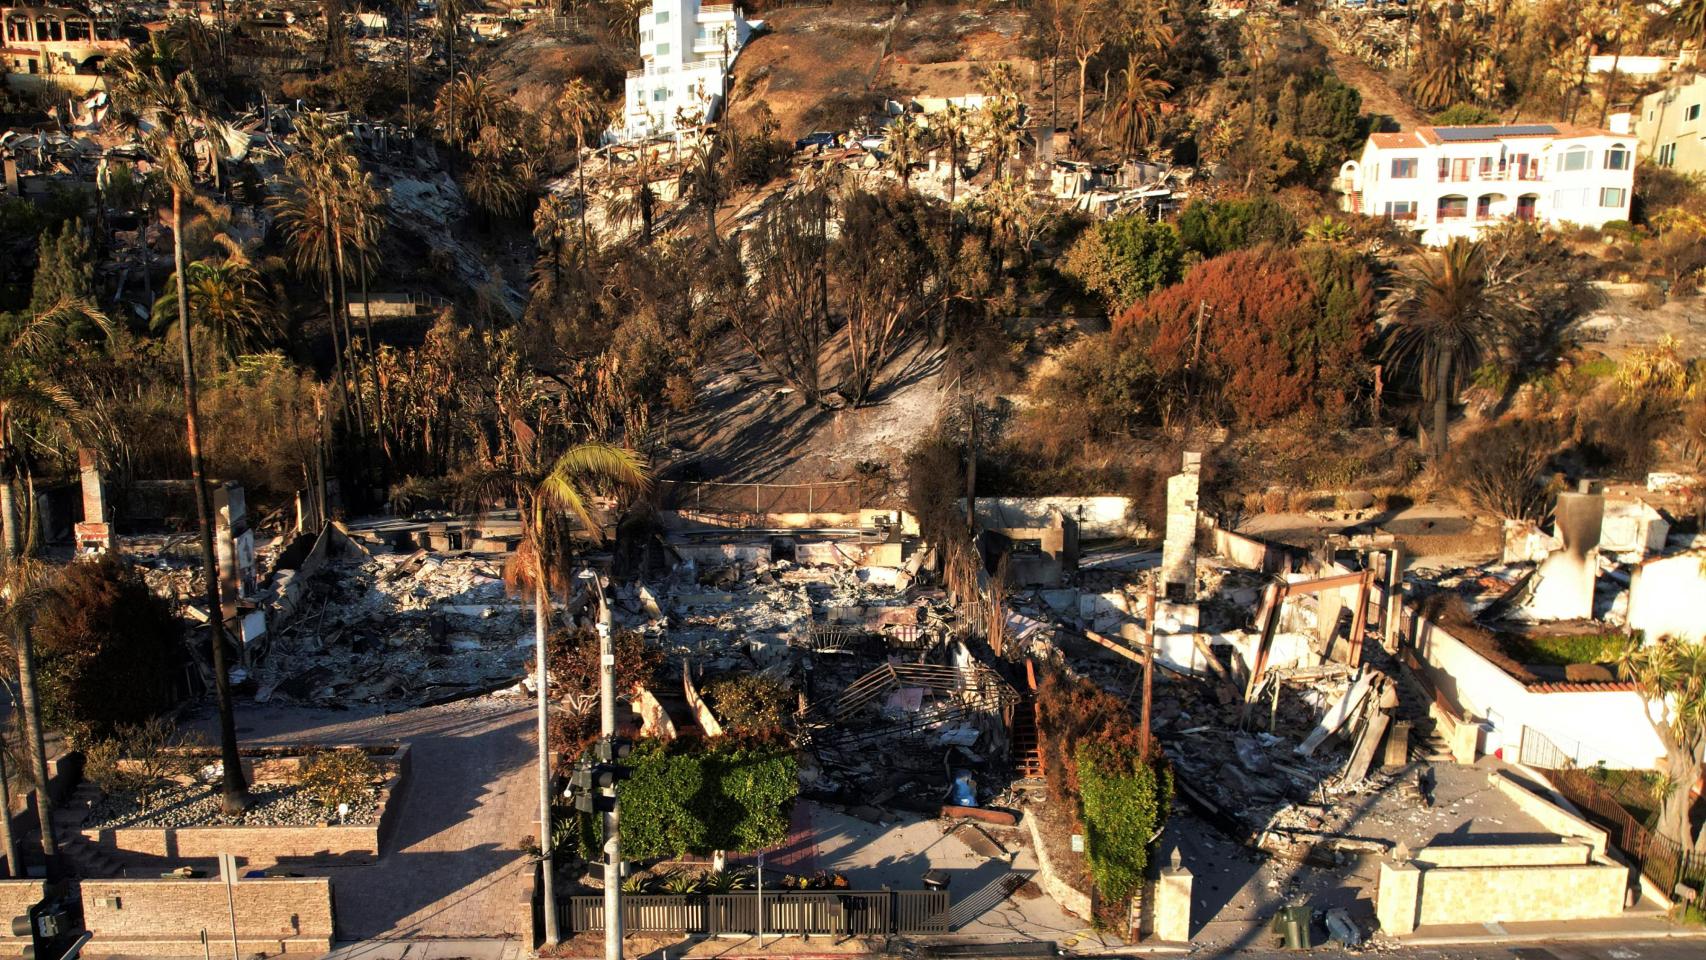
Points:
[(685, 51), (1449, 182)]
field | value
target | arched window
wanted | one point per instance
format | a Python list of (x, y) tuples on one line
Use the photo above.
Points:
[(1617, 158), (1575, 158)]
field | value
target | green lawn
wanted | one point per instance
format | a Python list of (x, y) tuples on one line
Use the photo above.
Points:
[(1563, 649)]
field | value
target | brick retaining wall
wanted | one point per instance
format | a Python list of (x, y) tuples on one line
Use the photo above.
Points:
[(16, 898), (262, 846), (166, 917)]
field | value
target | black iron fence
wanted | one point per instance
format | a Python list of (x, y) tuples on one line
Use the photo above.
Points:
[(1678, 871), (801, 913)]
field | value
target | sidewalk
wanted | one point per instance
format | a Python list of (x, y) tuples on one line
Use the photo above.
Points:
[(1650, 927)]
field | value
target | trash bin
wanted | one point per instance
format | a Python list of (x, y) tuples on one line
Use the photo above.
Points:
[(1292, 926), (935, 879)]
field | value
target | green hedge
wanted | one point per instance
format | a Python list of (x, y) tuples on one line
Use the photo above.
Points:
[(1124, 802), (690, 797)]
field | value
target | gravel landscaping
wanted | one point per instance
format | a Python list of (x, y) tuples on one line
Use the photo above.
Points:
[(276, 805)]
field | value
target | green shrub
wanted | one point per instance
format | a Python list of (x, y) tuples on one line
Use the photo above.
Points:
[(334, 777), (1465, 115), (692, 797), (1124, 258), (749, 703), (1214, 227), (1124, 801)]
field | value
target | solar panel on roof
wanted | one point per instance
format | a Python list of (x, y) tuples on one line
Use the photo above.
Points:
[(1450, 134)]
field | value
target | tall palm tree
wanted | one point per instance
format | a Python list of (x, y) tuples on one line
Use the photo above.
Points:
[(323, 187), (564, 493), (1138, 113), (23, 587), (148, 82), (954, 122), (1449, 312), (11, 774), (579, 112)]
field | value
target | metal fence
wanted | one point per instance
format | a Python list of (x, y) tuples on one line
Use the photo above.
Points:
[(760, 498), (1678, 871), (852, 913)]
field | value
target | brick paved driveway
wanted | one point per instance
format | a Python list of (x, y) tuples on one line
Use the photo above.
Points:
[(453, 865)]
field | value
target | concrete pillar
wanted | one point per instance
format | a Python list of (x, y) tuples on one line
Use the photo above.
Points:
[(1173, 903), (1397, 897), (1179, 550)]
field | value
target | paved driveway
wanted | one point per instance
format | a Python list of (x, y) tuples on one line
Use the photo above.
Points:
[(453, 866)]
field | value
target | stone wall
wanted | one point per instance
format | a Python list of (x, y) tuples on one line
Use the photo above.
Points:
[(1414, 894), (16, 898), (1070, 899), (261, 846), (1551, 816), (1567, 853), (167, 917)]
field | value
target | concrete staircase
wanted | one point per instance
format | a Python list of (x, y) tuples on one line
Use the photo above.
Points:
[(88, 858), (1415, 707)]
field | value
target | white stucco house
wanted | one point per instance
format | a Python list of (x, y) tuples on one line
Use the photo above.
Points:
[(1449, 182), (686, 51)]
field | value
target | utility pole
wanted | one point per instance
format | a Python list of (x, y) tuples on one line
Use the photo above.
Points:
[(542, 696), (607, 731), (1148, 665)]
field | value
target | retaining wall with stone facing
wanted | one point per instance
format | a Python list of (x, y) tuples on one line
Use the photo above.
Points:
[(345, 843), (1418, 893), (167, 917), (16, 897), (1568, 879)]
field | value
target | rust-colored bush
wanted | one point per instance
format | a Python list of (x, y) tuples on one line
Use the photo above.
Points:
[(1070, 712), (1281, 331)]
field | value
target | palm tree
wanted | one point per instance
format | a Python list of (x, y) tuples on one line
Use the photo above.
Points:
[(641, 204), (27, 393), (319, 212), (148, 82), (564, 492), (12, 764), (954, 122), (1138, 112), (704, 183), (1449, 312), (1671, 677), (1446, 68), (228, 299), (466, 106), (23, 587), (449, 14), (578, 112), (901, 139), (1686, 23)]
